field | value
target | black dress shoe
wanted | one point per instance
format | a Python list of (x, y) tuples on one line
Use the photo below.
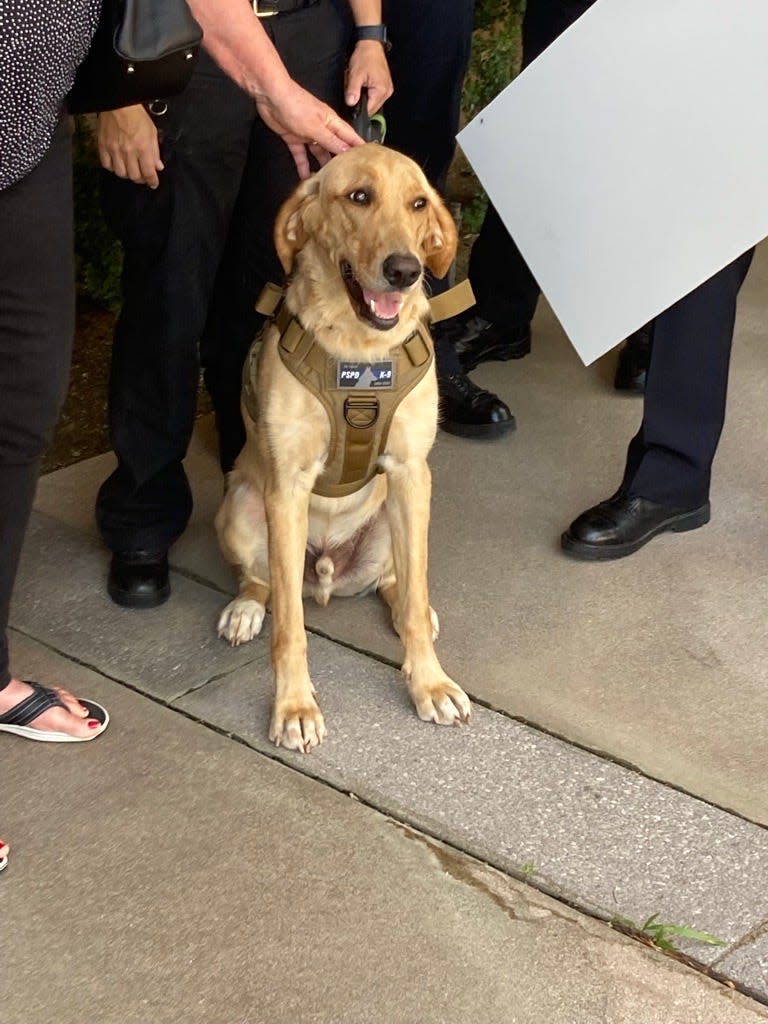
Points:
[(469, 411), (481, 341), (621, 525), (139, 579), (632, 368)]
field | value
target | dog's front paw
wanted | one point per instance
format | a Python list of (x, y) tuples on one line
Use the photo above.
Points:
[(441, 701), (297, 724), (241, 621)]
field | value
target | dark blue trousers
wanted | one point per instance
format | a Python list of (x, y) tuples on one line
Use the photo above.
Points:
[(670, 458)]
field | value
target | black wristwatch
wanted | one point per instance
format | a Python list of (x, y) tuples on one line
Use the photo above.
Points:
[(378, 33)]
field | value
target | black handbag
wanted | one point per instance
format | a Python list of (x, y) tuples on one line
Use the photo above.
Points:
[(142, 50)]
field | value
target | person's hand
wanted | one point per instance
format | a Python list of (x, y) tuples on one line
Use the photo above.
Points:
[(368, 67), (128, 145), (306, 125)]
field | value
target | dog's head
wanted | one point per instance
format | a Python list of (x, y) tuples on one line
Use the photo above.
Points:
[(361, 231)]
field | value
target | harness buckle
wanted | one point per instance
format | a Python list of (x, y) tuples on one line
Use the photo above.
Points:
[(266, 8), (360, 412)]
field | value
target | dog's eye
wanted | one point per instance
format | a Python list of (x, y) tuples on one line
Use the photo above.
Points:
[(420, 203), (360, 196)]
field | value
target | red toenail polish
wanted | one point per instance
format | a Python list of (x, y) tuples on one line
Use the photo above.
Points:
[(93, 724)]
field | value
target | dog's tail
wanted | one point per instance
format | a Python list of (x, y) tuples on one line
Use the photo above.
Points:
[(324, 568)]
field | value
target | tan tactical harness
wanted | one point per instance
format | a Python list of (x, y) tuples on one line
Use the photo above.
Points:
[(360, 418)]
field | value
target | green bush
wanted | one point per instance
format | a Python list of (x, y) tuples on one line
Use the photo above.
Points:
[(98, 254), (495, 52)]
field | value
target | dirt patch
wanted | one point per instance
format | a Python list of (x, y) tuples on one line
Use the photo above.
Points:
[(82, 429)]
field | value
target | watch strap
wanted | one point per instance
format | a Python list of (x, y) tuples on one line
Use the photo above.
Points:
[(376, 33)]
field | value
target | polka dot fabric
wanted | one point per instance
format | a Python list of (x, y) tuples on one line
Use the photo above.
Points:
[(41, 44)]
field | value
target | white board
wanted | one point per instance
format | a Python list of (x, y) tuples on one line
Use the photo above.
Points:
[(630, 161)]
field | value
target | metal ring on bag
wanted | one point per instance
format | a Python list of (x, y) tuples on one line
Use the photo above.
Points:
[(157, 108)]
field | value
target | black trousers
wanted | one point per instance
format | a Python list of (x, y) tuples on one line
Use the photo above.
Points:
[(197, 252), (431, 44), (37, 299), (505, 289)]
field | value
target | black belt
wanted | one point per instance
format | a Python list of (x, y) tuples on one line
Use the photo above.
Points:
[(269, 8)]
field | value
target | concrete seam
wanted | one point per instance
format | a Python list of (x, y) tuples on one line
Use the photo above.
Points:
[(751, 936), (604, 755)]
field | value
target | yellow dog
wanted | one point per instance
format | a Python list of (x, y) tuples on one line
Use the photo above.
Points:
[(331, 492)]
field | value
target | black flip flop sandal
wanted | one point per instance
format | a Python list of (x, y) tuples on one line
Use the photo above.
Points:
[(42, 698)]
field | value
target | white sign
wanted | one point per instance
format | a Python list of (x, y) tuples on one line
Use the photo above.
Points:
[(630, 161)]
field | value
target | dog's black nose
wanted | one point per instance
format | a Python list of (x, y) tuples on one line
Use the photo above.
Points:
[(401, 269)]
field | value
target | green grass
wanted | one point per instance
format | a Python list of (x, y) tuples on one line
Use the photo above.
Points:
[(527, 870), (662, 935)]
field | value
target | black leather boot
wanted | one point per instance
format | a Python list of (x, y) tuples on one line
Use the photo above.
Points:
[(632, 367), (470, 411), (481, 341), (622, 525)]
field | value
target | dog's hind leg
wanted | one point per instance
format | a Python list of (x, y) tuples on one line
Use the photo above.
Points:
[(242, 619), (242, 529), (389, 594)]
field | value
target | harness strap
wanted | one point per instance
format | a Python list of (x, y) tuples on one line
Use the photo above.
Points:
[(360, 419), (456, 300), (452, 302)]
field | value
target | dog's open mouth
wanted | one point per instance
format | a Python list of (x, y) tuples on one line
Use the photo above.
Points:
[(380, 309)]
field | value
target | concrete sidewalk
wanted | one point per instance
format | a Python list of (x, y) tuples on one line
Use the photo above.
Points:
[(615, 764), (657, 660), (169, 874)]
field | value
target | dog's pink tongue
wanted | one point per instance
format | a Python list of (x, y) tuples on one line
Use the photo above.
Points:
[(385, 305)]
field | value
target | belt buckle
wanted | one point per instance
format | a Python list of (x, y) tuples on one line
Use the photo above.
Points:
[(265, 8)]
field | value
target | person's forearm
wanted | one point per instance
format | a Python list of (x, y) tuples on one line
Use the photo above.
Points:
[(236, 40), (366, 12)]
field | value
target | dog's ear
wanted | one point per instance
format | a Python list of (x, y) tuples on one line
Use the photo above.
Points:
[(290, 233), (441, 237)]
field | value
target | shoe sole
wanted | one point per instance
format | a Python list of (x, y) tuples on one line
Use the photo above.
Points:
[(132, 601), (480, 430), (633, 388), (604, 553)]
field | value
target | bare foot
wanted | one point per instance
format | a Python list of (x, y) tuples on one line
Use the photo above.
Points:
[(72, 719)]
